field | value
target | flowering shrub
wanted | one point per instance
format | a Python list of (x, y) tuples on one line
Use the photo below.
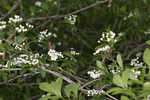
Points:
[(47, 50)]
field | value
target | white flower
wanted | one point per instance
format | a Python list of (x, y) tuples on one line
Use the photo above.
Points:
[(21, 28), (105, 48), (29, 25), (3, 22), (18, 46), (54, 54), (95, 92), (2, 25), (55, 35), (59, 43), (136, 62), (26, 59), (94, 74), (15, 19), (71, 19), (136, 73), (1, 53), (35, 62), (74, 52), (44, 34), (130, 15), (38, 3), (108, 36)]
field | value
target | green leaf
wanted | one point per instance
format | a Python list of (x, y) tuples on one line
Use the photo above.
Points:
[(99, 64), (148, 42), (125, 77), (118, 81), (146, 86), (125, 92), (119, 61), (1, 98), (45, 87), (146, 56), (124, 98), (113, 90), (72, 88), (122, 81), (131, 75), (56, 87), (53, 87)]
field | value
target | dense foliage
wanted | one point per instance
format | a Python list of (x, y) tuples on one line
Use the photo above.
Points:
[(74, 49)]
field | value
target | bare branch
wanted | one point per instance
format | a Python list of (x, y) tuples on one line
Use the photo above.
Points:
[(74, 12), (11, 10)]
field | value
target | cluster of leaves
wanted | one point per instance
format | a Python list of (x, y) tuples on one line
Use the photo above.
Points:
[(54, 90)]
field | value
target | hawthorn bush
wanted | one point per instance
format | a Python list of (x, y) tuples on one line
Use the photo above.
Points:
[(74, 49)]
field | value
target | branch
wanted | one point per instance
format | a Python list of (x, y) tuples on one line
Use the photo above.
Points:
[(57, 74), (10, 69), (74, 12), (59, 6), (137, 49), (11, 10)]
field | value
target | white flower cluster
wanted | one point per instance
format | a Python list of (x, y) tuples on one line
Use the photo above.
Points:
[(38, 3), (59, 43), (2, 25), (44, 34), (95, 92), (26, 59), (1, 53), (94, 74), (54, 54), (54, 35), (71, 19), (18, 46), (108, 36), (136, 73), (113, 69), (29, 25), (16, 19), (22, 28), (129, 16), (136, 62), (74, 52), (105, 48)]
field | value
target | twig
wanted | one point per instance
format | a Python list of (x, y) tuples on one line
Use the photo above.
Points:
[(74, 77), (58, 74), (10, 69), (18, 76), (59, 6), (12, 35), (21, 8), (70, 81), (74, 12), (113, 98), (11, 10), (88, 83), (138, 48)]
